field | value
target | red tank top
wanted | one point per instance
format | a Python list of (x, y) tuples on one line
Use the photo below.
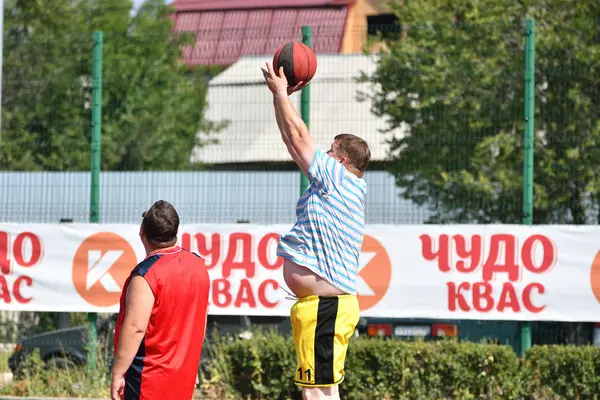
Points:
[(167, 360)]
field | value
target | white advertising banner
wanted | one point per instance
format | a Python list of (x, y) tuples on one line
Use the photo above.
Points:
[(503, 272)]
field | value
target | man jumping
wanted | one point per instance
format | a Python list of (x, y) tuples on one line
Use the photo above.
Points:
[(322, 249)]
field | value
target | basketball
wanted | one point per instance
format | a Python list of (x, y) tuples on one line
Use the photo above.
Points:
[(298, 61)]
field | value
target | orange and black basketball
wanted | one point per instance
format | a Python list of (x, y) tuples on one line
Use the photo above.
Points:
[(298, 61)]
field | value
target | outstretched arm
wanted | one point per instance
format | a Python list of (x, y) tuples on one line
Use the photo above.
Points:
[(294, 131)]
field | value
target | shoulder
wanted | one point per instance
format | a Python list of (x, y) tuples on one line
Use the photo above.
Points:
[(323, 163), (318, 156), (144, 266), (351, 184), (192, 254), (355, 181), (358, 183), (190, 258)]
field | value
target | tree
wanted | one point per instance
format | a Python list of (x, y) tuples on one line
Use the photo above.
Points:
[(152, 103), (455, 82)]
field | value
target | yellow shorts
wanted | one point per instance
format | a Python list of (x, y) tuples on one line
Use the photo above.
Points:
[(322, 327)]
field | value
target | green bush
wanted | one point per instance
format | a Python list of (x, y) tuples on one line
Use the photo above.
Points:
[(567, 372), (37, 378), (378, 369), (263, 367), (256, 369)]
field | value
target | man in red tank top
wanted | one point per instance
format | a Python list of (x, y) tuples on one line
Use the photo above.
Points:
[(162, 318)]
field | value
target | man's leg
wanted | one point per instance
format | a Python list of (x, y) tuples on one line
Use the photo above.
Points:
[(324, 393)]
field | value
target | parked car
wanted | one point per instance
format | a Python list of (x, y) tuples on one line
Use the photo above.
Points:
[(62, 347), (406, 328)]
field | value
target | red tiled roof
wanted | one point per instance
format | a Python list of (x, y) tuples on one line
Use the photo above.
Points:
[(205, 5), (223, 36)]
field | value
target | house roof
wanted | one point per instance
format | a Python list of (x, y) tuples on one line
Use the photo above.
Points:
[(205, 5), (240, 95), (224, 36)]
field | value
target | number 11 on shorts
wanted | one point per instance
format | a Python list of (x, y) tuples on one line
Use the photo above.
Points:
[(307, 373)]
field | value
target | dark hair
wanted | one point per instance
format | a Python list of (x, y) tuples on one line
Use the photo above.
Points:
[(355, 148), (160, 223)]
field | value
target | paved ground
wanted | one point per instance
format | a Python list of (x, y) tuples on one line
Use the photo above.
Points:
[(43, 398), (56, 398)]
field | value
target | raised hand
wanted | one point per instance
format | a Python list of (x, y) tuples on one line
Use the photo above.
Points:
[(277, 82)]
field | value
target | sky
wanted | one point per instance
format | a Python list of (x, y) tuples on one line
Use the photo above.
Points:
[(137, 3)]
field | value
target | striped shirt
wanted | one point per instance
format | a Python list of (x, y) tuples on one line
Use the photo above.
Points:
[(327, 236)]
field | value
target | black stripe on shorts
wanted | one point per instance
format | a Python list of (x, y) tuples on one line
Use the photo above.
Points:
[(324, 334)]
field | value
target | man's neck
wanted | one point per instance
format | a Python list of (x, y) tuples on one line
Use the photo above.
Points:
[(150, 252), (354, 171)]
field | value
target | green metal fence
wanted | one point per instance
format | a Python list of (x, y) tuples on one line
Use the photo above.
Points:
[(443, 112), (445, 108)]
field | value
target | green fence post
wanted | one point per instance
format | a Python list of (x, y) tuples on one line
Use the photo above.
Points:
[(95, 172), (305, 103), (528, 150)]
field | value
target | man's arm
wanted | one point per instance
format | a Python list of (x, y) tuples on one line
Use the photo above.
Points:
[(294, 132), (139, 303)]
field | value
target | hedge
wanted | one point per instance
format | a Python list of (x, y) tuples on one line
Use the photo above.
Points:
[(262, 368), (570, 372)]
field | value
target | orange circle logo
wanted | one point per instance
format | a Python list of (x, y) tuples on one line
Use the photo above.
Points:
[(100, 267), (595, 276), (374, 274)]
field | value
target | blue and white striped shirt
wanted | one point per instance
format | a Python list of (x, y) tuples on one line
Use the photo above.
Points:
[(327, 236)]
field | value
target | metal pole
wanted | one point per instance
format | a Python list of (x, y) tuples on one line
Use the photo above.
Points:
[(1, 59), (305, 103), (528, 150), (95, 173)]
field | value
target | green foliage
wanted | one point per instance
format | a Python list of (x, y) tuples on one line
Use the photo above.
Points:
[(454, 81), (264, 363), (152, 103), (40, 379), (34, 322), (5, 353), (568, 372), (28, 323), (375, 369), (440, 370), (263, 368)]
